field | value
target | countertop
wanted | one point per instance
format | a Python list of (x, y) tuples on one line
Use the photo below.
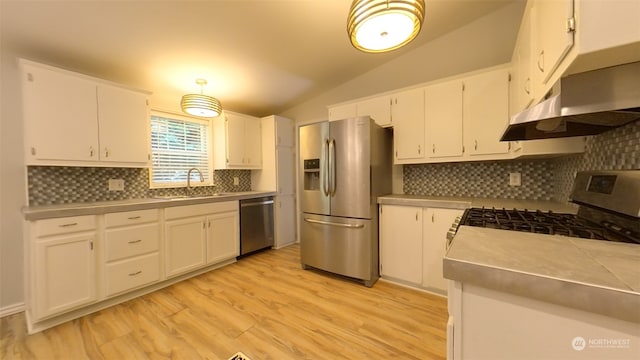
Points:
[(467, 202), (601, 277), (103, 207)]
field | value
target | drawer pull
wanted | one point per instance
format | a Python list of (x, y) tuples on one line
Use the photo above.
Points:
[(135, 241), (136, 273), (68, 225), (134, 218)]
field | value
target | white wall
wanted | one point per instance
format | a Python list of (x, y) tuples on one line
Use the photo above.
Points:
[(483, 43), (12, 186)]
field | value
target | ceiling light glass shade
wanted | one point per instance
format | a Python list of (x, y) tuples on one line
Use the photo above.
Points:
[(384, 25), (199, 104)]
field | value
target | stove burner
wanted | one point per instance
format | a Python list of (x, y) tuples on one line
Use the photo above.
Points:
[(544, 223)]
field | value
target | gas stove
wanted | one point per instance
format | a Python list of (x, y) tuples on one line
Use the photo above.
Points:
[(609, 210)]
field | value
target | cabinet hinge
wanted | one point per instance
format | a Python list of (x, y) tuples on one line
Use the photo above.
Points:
[(571, 24)]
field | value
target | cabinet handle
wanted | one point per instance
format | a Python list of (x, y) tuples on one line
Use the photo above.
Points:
[(106, 152), (68, 225), (433, 149), (134, 218), (33, 151), (509, 146), (475, 144), (541, 61), (91, 151), (419, 149), (91, 245), (209, 223), (135, 273), (416, 216), (433, 218), (527, 86), (30, 77), (135, 241)]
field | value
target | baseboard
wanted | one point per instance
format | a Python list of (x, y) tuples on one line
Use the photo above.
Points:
[(11, 309)]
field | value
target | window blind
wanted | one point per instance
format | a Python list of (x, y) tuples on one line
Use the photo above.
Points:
[(177, 145)]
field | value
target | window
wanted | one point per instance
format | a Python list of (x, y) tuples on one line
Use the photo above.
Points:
[(178, 143)]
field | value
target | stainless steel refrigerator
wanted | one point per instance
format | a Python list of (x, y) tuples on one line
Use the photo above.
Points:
[(345, 165)]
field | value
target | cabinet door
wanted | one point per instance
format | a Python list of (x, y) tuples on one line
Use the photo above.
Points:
[(436, 223), (284, 131), (553, 38), (342, 112), (234, 139), (443, 119), (252, 143), (401, 243), (484, 125), (407, 113), (379, 109), (185, 241), (60, 115), (223, 241), (521, 91), (285, 171), (124, 125), (284, 219), (64, 270)]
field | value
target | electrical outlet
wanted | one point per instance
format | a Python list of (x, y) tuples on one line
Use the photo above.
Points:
[(515, 179), (116, 185), (236, 181)]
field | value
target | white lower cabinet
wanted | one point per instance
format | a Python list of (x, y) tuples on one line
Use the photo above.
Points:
[(223, 238), (436, 223), (412, 244), (131, 250), (197, 235), (77, 265), (62, 265), (401, 243)]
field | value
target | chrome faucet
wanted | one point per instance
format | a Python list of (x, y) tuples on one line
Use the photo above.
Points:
[(189, 178)]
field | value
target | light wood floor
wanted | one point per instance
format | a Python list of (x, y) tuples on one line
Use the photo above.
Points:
[(265, 306)]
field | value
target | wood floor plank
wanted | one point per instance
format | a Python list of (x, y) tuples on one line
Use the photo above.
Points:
[(264, 305)]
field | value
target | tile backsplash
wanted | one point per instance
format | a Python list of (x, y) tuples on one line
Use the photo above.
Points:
[(50, 185), (542, 179)]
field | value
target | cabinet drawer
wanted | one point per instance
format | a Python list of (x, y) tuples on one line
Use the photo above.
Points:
[(132, 273), (130, 217), (65, 225), (131, 241), (200, 209)]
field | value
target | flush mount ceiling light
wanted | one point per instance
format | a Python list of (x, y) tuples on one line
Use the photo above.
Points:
[(384, 25), (199, 104)]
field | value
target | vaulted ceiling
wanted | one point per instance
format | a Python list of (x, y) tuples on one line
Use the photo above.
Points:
[(259, 56)]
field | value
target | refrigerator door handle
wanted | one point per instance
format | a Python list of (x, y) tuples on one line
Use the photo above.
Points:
[(325, 174), (350, 226), (332, 167)]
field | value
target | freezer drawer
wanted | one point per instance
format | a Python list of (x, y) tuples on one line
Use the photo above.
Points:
[(339, 245)]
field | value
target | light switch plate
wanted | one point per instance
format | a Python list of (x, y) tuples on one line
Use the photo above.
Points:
[(116, 185), (515, 179)]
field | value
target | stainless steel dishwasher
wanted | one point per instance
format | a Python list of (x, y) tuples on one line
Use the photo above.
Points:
[(256, 224)]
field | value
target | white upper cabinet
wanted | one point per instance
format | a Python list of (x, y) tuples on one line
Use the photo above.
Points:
[(278, 157), (237, 141), (443, 119), (522, 84), (75, 120), (555, 25), (60, 115), (378, 108), (124, 125), (486, 112), (407, 114), (340, 112)]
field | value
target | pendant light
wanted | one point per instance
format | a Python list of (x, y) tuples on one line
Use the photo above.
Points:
[(199, 104), (384, 25)]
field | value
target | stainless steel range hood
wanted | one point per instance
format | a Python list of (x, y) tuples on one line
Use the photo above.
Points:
[(582, 104)]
